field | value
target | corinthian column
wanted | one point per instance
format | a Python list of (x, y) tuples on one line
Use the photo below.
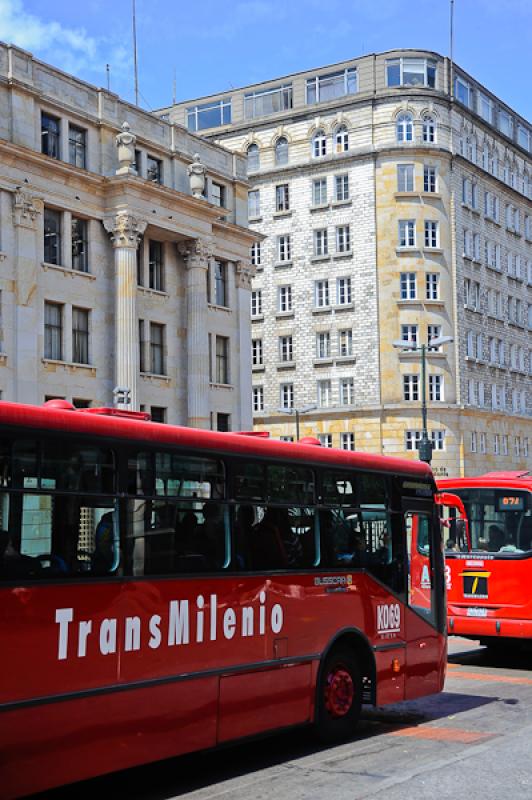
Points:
[(125, 232), (196, 255)]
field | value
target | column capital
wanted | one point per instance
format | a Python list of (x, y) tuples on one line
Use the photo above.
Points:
[(125, 229), (196, 252), (244, 272)]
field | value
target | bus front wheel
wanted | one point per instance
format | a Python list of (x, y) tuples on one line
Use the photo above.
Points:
[(339, 696)]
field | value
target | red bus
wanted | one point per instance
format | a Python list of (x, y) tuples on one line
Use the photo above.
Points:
[(489, 568), (165, 589)]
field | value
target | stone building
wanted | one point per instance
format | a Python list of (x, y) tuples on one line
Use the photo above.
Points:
[(124, 255), (396, 201)]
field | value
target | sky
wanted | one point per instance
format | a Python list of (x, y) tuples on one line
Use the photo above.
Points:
[(212, 46)]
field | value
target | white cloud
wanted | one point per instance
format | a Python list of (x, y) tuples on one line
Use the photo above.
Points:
[(70, 49)]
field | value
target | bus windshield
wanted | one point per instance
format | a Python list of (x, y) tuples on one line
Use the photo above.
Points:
[(500, 519)]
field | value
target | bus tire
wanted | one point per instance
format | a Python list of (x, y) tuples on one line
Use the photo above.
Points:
[(339, 696)]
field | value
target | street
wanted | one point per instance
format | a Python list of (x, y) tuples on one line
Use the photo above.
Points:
[(473, 740)]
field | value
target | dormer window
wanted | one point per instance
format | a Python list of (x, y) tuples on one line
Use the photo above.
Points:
[(328, 87)]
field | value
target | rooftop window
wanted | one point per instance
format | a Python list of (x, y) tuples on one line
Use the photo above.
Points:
[(411, 72), (506, 123), (209, 115), (463, 92), (268, 101), (336, 84)]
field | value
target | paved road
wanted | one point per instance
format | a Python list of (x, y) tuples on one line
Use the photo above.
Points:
[(473, 741)]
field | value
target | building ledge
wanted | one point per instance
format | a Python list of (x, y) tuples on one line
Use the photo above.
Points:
[(408, 251), (325, 257), (258, 368), (434, 251), (284, 315), (323, 362), (286, 365), (345, 254), (320, 207), (322, 310), (216, 308), (282, 264), (155, 292), (226, 386), (154, 376), (73, 273), (340, 203), (71, 366), (281, 214)]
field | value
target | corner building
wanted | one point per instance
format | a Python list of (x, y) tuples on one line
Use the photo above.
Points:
[(115, 272), (396, 201)]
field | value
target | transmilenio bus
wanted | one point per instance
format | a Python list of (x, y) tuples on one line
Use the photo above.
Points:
[(166, 589), (489, 570)]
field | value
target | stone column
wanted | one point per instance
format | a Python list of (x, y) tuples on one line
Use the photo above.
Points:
[(27, 334), (196, 255), (126, 231), (244, 272)]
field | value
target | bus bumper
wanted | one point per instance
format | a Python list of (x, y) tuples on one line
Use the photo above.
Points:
[(477, 628)]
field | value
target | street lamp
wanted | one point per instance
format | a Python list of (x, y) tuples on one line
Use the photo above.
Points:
[(425, 445), (297, 412)]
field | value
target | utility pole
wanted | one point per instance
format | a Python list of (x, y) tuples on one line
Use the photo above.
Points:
[(135, 65)]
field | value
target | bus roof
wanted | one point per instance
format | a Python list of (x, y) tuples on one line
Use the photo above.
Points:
[(505, 478), (110, 423)]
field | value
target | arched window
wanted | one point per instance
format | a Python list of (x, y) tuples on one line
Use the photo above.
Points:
[(405, 128), (429, 130), (341, 139), (253, 158), (319, 144), (281, 150), (485, 157)]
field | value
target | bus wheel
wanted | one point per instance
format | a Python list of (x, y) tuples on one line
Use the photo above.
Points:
[(339, 696)]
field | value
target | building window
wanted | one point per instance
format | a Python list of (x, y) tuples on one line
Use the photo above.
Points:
[(345, 343), (323, 344), (223, 422), (256, 303), (209, 115), (222, 359), (80, 259), (325, 439), (429, 179), (220, 283), (341, 139), (438, 440), (258, 398), (431, 234), (52, 236), (328, 87), (319, 144), (412, 440), (324, 393), (433, 332), (284, 248), (158, 414), (347, 440), (218, 195), (154, 169), (410, 387), (405, 177), (50, 135), (80, 336), (287, 396), (409, 334), (485, 107), (156, 266), (319, 192), (157, 349), (254, 204), (77, 146), (341, 188), (411, 72), (256, 352), (253, 154), (343, 239), (405, 128), (435, 388), (281, 151), (267, 101), (286, 349), (81, 402), (463, 92), (407, 233), (408, 286), (347, 391), (432, 286), (506, 123), (321, 294), (282, 197), (53, 331), (321, 246), (256, 254), (429, 130), (284, 298), (343, 291)]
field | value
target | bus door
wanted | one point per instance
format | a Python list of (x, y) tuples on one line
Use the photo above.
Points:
[(426, 620)]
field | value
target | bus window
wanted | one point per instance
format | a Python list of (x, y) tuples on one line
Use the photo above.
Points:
[(372, 489), (287, 484), (175, 475), (421, 594), (49, 535), (338, 489), (500, 520), (75, 467), (167, 537), (280, 538)]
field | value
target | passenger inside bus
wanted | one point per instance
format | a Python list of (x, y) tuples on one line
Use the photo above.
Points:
[(496, 538), (14, 564)]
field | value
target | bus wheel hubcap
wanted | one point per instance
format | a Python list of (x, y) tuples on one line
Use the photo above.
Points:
[(339, 692)]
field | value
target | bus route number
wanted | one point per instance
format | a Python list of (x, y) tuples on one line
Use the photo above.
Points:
[(511, 503)]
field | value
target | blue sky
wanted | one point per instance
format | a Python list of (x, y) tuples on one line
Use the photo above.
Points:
[(212, 46)]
